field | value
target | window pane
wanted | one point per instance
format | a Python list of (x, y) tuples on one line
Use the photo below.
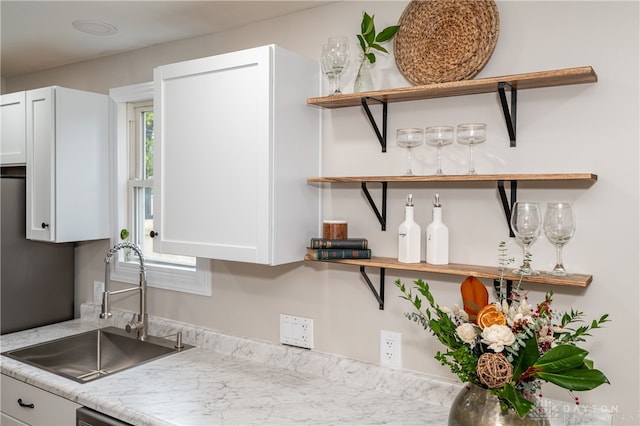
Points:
[(135, 206), (147, 119)]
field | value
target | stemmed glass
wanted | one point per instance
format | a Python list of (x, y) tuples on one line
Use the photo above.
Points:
[(471, 134), (333, 60), (526, 223), (439, 136), (559, 226), (409, 139)]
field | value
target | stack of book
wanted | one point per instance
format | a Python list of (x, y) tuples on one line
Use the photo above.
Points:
[(350, 248)]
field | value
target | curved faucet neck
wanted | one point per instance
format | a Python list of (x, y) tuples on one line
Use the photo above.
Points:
[(142, 324), (128, 245)]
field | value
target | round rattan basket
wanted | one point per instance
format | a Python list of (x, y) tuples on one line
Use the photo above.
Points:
[(445, 40)]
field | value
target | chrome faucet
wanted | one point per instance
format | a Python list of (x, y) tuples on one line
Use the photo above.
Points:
[(141, 325)]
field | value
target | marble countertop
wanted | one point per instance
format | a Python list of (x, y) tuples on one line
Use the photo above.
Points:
[(227, 380), (231, 380)]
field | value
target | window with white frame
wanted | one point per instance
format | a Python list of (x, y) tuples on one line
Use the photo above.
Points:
[(133, 197)]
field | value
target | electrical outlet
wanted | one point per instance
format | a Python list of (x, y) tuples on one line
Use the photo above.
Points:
[(390, 349), (296, 331), (98, 289)]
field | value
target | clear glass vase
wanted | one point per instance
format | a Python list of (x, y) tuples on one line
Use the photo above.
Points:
[(363, 83)]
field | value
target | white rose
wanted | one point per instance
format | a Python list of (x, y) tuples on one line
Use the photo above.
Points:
[(497, 337), (467, 332)]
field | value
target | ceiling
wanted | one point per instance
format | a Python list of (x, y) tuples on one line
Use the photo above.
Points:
[(37, 35)]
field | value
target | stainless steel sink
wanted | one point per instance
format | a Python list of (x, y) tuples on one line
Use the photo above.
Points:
[(88, 356)]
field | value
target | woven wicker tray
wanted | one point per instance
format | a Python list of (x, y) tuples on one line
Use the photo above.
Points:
[(445, 40)]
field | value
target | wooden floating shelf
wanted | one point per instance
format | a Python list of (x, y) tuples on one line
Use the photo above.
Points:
[(532, 80), (490, 272), (587, 177)]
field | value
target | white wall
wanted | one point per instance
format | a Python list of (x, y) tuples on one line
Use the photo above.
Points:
[(583, 128)]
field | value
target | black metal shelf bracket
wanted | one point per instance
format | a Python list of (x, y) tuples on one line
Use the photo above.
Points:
[(379, 295), (380, 214), (508, 288), (382, 136), (509, 116), (507, 205)]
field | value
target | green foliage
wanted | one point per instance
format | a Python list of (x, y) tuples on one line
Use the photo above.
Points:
[(526, 358), (462, 362), (565, 366), (514, 398), (460, 358), (570, 335), (368, 39)]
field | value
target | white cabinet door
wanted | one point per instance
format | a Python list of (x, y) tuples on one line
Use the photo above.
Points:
[(234, 142), (12, 129), (67, 165), (34, 406)]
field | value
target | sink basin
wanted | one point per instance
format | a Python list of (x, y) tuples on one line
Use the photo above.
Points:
[(94, 354)]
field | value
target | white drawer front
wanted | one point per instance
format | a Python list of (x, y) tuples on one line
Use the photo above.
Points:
[(48, 409)]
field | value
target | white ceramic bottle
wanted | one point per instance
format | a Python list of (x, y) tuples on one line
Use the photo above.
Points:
[(437, 237), (409, 235)]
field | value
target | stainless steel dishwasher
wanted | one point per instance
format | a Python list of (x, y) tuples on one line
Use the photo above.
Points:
[(88, 417)]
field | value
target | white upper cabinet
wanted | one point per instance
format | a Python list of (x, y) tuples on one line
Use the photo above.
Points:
[(12, 129), (234, 142), (67, 165)]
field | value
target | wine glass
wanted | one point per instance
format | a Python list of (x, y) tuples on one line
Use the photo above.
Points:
[(472, 134), (333, 59), (439, 136), (559, 226), (526, 223), (409, 139), (326, 63)]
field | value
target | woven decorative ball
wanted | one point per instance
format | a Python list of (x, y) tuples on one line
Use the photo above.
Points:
[(494, 370), (445, 40)]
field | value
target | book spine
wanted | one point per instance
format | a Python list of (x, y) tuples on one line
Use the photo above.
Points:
[(332, 254), (349, 243)]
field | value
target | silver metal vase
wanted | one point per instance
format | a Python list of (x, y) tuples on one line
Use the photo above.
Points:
[(478, 407)]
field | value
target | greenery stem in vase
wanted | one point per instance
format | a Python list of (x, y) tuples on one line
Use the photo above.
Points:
[(369, 41)]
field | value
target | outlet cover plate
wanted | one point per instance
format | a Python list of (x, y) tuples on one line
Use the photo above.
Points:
[(390, 349), (296, 331)]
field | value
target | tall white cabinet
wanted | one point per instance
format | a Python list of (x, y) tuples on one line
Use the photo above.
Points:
[(234, 142), (12, 129), (67, 138)]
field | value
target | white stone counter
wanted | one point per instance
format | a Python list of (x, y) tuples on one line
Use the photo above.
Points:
[(230, 380), (227, 380)]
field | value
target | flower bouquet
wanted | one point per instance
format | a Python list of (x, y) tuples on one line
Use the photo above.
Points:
[(508, 347)]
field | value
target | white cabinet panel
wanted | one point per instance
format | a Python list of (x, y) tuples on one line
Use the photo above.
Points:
[(7, 420), (67, 165), (34, 406), (234, 142), (12, 129)]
